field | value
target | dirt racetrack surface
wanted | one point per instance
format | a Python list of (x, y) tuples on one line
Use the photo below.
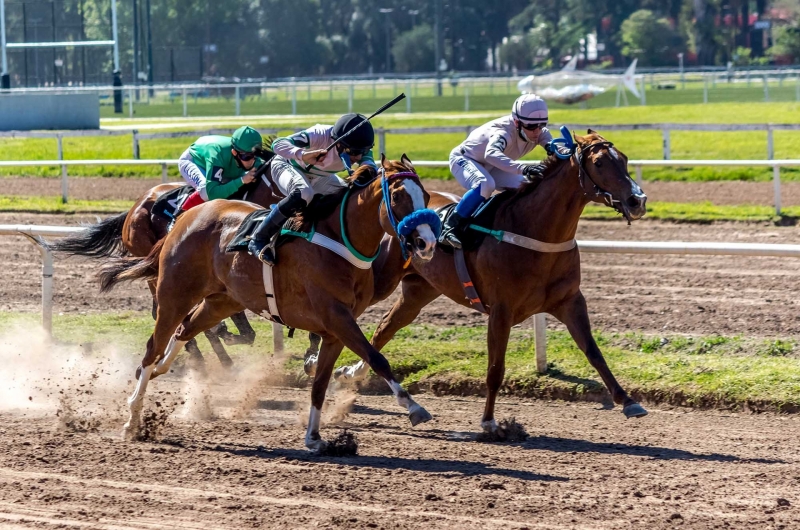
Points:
[(582, 467), (652, 294), (716, 192)]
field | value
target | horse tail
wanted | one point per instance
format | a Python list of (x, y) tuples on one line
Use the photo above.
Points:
[(101, 240), (124, 269)]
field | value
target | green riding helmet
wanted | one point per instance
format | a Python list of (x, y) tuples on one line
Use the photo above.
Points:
[(246, 139)]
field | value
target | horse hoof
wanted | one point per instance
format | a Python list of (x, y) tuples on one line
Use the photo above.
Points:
[(418, 415), (128, 432), (310, 365), (489, 427), (634, 410), (316, 446)]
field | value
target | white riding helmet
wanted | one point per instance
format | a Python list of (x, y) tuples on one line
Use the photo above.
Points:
[(530, 109)]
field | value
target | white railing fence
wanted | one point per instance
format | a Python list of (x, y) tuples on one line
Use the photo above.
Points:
[(36, 234), (665, 128), (636, 164)]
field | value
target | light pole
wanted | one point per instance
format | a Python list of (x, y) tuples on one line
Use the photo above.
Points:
[(413, 13), (387, 11), (4, 77)]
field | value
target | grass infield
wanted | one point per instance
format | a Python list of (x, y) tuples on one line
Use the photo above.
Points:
[(708, 372)]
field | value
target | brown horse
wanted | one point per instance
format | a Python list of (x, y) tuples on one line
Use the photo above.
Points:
[(515, 282), (136, 232), (314, 290)]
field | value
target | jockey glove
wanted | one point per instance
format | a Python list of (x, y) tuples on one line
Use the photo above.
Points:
[(534, 171)]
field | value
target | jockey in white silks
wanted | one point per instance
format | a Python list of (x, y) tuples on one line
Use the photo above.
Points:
[(489, 159)]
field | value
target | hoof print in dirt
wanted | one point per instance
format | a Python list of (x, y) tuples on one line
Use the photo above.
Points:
[(508, 431), (345, 444)]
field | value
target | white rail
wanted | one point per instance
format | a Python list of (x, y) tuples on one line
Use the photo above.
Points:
[(637, 165), (36, 235)]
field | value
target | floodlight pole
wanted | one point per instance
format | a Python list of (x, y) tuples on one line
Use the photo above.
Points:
[(4, 79), (114, 33)]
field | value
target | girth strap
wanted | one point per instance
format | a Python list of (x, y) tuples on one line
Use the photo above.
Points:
[(466, 282), (269, 290), (525, 242)]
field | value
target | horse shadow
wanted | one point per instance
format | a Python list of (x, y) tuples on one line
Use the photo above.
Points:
[(427, 465), (569, 445)]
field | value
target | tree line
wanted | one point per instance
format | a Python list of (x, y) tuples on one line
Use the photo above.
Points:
[(299, 38)]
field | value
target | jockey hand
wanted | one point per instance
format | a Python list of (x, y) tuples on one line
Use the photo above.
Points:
[(313, 157), (249, 177), (533, 171)]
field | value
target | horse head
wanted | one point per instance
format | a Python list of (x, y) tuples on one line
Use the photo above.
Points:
[(603, 174), (408, 216)]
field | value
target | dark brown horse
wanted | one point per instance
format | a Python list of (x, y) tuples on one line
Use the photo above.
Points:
[(515, 282), (137, 231), (314, 289)]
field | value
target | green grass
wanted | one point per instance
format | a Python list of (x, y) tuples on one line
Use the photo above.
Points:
[(702, 212), (636, 144), (9, 203), (483, 95), (667, 211), (707, 371)]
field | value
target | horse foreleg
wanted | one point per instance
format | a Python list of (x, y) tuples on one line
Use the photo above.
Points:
[(499, 331), (213, 336), (575, 315), (342, 324), (331, 348), (246, 336), (415, 294), (312, 354)]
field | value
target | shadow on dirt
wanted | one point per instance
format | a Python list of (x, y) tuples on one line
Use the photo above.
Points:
[(428, 465), (567, 445)]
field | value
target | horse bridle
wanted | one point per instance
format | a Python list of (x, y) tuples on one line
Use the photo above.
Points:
[(411, 221), (607, 197)]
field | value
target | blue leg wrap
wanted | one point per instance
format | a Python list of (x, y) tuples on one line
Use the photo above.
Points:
[(469, 202)]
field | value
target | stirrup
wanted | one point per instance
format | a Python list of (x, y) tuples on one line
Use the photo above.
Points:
[(266, 254), (449, 237)]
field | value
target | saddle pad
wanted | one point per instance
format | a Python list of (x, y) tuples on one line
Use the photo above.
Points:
[(168, 206), (485, 215), (245, 230)]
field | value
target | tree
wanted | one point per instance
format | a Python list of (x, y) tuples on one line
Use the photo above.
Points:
[(413, 50), (787, 42), (515, 53), (649, 38)]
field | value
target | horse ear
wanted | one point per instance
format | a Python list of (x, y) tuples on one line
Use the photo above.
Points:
[(383, 161), (581, 140), (407, 162), (590, 131)]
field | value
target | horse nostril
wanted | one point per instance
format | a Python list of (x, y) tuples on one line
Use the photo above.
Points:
[(420, 243), (634, 201)]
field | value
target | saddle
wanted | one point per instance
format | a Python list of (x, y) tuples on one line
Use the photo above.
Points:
[(168, 206), (484, 217)]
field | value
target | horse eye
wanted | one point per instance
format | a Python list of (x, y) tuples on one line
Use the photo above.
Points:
[(598, 163)]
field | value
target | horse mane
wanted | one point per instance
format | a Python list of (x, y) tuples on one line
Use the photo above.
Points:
[(323, 206), (552, 166)]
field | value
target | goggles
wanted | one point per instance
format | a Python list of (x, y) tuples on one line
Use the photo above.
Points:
[(245, 157), (532, 126)]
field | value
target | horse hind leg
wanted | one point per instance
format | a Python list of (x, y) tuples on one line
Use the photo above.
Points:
[(205, 316), (330, 351), (415, 294)]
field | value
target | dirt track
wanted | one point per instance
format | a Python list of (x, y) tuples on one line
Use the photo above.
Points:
[(582, 468), (719, 192), (653, 294)]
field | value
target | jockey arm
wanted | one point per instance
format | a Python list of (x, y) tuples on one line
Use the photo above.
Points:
[(216, 188), (495, 155)]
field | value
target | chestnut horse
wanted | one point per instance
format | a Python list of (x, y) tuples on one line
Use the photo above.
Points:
[(515, 282), (314, 290), (137, 231)]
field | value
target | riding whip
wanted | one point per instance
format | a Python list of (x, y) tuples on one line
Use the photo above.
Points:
[(393, 102)]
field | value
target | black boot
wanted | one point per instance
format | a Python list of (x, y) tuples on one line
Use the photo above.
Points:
[(453, 230), (269, 227)]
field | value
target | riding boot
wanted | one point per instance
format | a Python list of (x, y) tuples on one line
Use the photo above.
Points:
[(456, 224), (453, 230), (269, 227)]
